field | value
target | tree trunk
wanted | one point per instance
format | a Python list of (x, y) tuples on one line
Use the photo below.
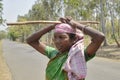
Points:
[(113, 29), (119, 28), (103, 22), (112, 23)]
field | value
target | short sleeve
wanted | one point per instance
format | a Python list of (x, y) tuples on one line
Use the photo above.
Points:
[(88, 57), (50, 52)]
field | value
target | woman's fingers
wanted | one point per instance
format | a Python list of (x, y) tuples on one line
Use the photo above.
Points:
[(62, 20), (68, 18)]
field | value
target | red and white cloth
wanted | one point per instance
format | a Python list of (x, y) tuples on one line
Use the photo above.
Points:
[(75, 64)]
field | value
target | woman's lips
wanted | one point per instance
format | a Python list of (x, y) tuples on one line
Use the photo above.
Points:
[(59, 48)]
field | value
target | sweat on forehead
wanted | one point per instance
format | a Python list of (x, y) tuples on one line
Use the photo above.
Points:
[(63, 27)]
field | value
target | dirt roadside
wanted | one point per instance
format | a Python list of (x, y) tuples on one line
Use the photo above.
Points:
[(110, 52), (4, 70)]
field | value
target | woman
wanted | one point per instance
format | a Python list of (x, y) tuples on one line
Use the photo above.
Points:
[(66, 36)]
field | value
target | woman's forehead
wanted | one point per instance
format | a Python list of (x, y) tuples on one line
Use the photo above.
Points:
[(60, 33)]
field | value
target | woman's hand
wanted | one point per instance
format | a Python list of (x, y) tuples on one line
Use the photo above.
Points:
[(65, 20), (69, 21)]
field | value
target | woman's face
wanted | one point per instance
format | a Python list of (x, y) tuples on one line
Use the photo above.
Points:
[(62, 41)]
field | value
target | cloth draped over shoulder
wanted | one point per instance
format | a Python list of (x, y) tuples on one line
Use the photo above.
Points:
[(75, 65)]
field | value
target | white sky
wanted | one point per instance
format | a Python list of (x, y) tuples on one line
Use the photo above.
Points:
[(13, 8)]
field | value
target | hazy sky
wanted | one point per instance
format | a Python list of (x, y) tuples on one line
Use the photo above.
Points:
[(13, 8)]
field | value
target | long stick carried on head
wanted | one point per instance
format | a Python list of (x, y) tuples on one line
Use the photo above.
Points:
[(48, 22)]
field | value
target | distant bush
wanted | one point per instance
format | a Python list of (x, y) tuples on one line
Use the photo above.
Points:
[(2, 34)]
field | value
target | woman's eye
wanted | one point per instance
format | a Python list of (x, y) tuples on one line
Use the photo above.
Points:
[(61, 37)]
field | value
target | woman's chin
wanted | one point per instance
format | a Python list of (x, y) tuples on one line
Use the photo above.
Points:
[(62, 51)]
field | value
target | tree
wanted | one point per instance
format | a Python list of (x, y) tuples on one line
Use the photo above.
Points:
[(112, 12), (13, 33), (2, 35), (103, 21), (1, 9), (118, 16), (79, 10)]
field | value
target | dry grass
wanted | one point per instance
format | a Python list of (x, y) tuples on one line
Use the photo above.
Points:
[(4, 70), (111, 51)]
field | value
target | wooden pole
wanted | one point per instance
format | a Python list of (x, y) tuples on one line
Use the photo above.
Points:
[(48, 22)]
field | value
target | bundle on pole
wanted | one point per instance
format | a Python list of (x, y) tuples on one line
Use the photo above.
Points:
[(48, 22)]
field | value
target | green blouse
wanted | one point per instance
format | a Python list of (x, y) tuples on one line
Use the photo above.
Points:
[(54, 69)]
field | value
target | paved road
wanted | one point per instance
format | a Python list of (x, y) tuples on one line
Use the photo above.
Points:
[(26, 63), (103, 69)]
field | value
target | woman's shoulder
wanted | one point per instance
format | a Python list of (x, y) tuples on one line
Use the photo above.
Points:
[(50, 52)]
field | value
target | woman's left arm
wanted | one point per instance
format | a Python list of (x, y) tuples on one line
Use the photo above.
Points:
[(97, 37)]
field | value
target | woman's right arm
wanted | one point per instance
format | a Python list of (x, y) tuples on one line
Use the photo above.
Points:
[(33, 39)]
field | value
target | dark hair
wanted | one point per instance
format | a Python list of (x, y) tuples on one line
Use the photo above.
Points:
[(71, 35)]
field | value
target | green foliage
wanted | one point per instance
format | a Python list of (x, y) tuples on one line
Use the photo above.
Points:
[(22, 31), (78, 9), (13, 33), (1, 9), (2, 35)]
